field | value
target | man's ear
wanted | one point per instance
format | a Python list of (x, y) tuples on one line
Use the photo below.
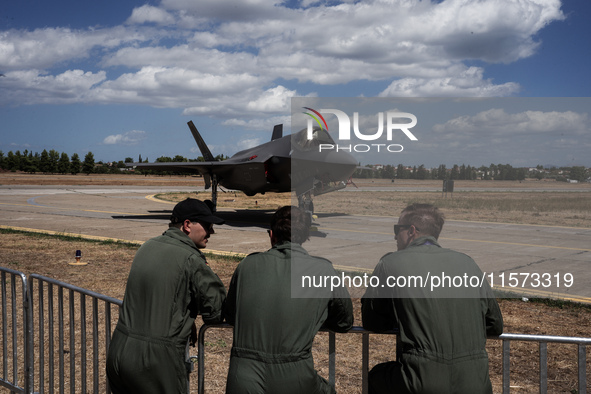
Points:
[(412, 232), (272, 238), (186, 226)]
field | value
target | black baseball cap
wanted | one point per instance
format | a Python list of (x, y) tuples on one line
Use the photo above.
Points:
[(194, 210)]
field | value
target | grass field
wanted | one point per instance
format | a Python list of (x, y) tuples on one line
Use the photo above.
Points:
[(109, 265)]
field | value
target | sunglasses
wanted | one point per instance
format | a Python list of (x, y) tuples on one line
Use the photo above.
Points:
[(207, 226), (398, 227)]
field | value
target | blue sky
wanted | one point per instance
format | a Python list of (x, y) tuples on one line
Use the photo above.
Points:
[(122, 78)]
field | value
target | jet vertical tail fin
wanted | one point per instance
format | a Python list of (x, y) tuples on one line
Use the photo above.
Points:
[(277, 132), (200, 142)]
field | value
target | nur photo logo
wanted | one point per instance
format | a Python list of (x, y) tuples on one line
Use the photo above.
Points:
[(393, 123)]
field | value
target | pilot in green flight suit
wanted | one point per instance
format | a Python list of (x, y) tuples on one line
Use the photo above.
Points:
[(169, 284), (274, 330), (443, 329)]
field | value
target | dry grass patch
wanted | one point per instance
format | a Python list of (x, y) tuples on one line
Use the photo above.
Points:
[(541, 208), (234, 200), (108, 267)]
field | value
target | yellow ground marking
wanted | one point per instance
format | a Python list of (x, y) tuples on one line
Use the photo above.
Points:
[(70, 209), (152, 197), (543, 294), (58, 233), (110, 239)]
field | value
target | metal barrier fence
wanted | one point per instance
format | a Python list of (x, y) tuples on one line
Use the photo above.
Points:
[(62, 333), (55, 346), (506, 339), (15, 331)]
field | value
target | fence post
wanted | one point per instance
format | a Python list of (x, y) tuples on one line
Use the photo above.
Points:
[(15, 334), (582, 364), (506, 366), (331, 358), (365, 363), (543, 367)]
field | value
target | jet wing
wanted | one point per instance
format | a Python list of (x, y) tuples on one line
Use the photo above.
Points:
[(246, 176)]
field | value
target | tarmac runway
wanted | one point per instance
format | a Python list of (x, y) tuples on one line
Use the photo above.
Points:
[(543, 260)]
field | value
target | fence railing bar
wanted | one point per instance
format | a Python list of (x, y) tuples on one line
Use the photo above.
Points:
[(72, 353), (4, 328), (331, 358), (108, 331), (582, 363), (13, 383), (82, 343), (13, 306), (29, 335), (506, 366), (14, 331), (60, 322), (95, 346), (77, 289), (365, 363), (12, 388), (543, 367), (51, 312), (41, 328)]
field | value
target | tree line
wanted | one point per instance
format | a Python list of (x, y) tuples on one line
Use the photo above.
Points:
[(503, 172), (47, 162), (55, 163)]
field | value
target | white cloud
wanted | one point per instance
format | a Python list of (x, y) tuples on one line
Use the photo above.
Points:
[(129, 138), (32, 87), (227, 59), (150, 14), (46, 48), (500, 123), (464, 83)]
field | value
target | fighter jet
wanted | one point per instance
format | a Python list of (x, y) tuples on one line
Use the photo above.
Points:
[(286, 163)]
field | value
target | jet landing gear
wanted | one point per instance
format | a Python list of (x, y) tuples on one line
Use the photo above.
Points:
[(307, 205), (305, 202)]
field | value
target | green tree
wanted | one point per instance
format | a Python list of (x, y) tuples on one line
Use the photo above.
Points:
[(401, 172), (578, 173), (63, 166), (88, 165), (75, 164), (18, 158), (54, 158), (44, 162), (455, 172), (442, 172), (388, 172), (422, 172), (29, 163)]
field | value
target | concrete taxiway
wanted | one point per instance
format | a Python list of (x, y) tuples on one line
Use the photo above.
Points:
[(545, 260)]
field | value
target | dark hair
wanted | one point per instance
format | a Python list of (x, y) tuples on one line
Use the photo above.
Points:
[(425, 217), (290, 224)]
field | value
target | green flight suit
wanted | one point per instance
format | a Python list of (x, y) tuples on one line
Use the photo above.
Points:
[(442, 339), (169, 284), (273, 332)]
